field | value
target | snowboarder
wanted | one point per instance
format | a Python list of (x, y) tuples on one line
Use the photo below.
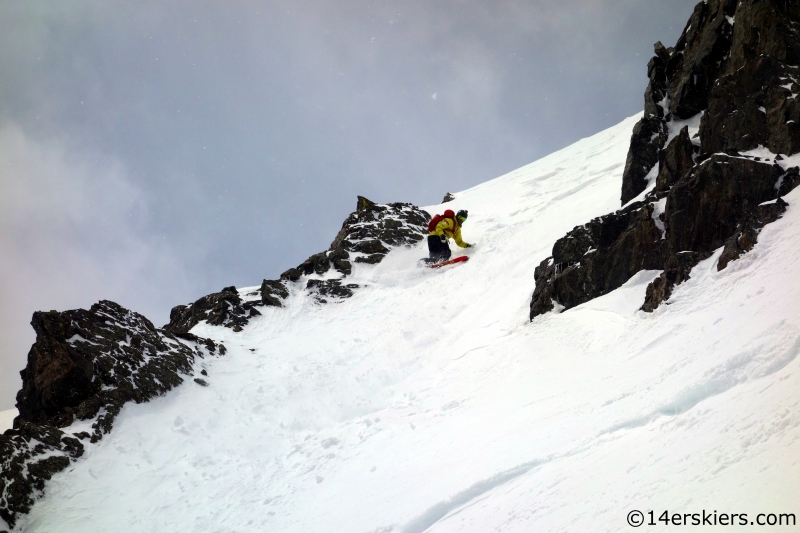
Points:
[(442, 228)]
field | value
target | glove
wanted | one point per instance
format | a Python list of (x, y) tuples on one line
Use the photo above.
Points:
[(470, 246)]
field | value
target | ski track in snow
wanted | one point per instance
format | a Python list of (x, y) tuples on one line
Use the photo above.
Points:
[(428, 403)]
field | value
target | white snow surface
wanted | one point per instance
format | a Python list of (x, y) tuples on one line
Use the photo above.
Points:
[(429, 402)]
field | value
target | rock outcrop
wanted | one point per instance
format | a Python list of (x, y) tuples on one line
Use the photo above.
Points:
[(598, 257), (224, 308), (30, 455), (366, 236), (681, 79), (729, 87), (84, 365)]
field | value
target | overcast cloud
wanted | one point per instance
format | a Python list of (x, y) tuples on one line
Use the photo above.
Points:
[(152, 152)]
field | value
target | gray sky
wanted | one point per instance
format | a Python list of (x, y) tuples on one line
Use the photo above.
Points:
[(152, 152)]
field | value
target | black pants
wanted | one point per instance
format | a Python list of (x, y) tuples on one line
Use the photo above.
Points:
[(440, 251)]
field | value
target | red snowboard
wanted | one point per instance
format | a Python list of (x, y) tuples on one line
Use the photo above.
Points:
[(460, 259)]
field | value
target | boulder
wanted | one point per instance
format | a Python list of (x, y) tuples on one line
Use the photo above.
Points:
[(330, 288), (676, 272), (225, 308), (272, 292)]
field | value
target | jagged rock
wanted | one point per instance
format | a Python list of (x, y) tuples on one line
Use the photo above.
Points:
[(396, 224), (657, 88), (316, 264), (676, 272), (272, 292), (736, 60), (743, 73), (680, 78), (224, 308), (84, 361), (765, 28), (746, 235), (293, 274), (649, 136), (24, 470), (373, 259), (597, 258), (788, 181), (332, 288), (675, 161), (84, 365), (753, 106), (373, 246), (705, 207), (370, 232), (339, 259), (448, 198), (699, 56)]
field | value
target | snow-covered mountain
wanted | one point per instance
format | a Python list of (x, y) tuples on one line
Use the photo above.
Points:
[(363, 393), (428, 402)]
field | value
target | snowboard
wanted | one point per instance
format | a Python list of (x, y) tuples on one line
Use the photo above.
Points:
[(461, 259)]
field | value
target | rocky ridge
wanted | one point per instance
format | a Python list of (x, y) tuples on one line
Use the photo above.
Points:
[(86, 365), (82, 369), (696, 178), (366, 236)]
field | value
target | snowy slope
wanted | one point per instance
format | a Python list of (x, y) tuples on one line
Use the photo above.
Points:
[(428, 402)]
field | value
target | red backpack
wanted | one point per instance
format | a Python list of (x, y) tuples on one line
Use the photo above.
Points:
[(438, 218)]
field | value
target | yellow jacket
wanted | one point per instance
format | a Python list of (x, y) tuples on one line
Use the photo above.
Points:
[(451, 230)]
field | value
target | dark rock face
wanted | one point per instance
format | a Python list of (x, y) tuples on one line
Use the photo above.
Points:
[(373, 228), (367, 235), (331, 288), (705, 208), (699, 56), (84, 365), (224, 308), (736, 63), (87, 365), (24, 469), (746, 234), (597, 258), (649, 136), (675, 272), (272, 292), (754, 106), (85, 361), (752, 103), (675, 161)]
